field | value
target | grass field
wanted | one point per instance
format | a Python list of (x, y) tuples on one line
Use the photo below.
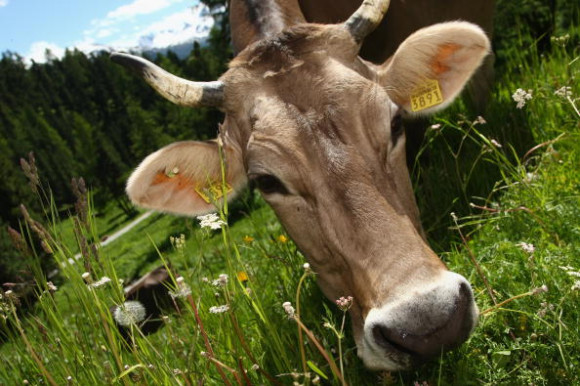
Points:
[(514, 234)]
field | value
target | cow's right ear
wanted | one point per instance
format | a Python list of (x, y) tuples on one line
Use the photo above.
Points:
[(431, 66), (186, 178)]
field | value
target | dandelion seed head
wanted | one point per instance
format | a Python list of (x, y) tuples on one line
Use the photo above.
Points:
[(306, 266), (130, 312)]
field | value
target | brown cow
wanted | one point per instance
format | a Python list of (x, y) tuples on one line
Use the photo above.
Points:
[(318, 130)]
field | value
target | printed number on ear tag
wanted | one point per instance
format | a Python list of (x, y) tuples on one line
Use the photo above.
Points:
[(426, 95), (212, 193)]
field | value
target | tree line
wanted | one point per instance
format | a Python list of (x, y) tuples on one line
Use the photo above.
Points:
[(84, 116)]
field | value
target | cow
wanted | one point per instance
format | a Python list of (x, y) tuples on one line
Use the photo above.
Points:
[(318, 130)]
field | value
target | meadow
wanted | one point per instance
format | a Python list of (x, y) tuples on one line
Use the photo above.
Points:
[(500, 199)]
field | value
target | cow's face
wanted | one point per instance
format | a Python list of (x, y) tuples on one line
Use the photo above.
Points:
[(318, 131)]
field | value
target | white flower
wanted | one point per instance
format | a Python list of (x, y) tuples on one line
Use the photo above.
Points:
[(521, 96), (51, 287), (221, 281), (289, 309), (564, 92), (435, 126), (495, 143), (130, 312), (576, 286), (211, 221), (527, 247), (480, 120), (182, 291), (101, 282), (306, 266), (539, 290), (86, 275), (219, 309)]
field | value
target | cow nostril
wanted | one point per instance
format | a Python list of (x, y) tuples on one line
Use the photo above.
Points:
[(388, 339)]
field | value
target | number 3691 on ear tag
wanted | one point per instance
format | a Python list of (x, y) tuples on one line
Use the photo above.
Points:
[(426, 95)]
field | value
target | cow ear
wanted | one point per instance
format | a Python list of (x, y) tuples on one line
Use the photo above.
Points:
[(186, 178), (432, 65)]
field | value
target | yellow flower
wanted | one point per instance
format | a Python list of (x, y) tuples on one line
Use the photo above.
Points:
[(248, 239), (242, 276), (283, 239)]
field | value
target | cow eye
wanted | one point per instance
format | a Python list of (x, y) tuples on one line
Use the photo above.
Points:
[(268, 184), (396, 127)]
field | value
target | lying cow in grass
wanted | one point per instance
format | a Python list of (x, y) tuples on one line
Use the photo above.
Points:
[(318, 129)]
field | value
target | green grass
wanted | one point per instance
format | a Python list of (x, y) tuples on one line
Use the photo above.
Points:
[(501, 196)]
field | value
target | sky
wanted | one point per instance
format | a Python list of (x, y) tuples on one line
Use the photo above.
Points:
[(29, 27)]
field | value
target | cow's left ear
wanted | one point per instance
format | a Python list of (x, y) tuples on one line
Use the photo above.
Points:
[(186, 178), (432, 65)]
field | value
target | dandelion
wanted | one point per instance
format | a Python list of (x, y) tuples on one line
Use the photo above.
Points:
[(211, 221), (248, 239), (564, 92), (219, 309), (288, 309), (283, 239), (101, 282), (521, 96), (130, 312), (344, 303), (242, 276), (221, 281), (529, 248)]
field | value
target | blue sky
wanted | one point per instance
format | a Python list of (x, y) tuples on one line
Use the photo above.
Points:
[(28, 27)]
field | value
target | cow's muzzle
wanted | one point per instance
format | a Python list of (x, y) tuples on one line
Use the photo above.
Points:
[(419, 325)]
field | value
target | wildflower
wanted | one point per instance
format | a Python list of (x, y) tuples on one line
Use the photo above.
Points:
[(51, 287), (211, 221), (344, 303), (242, 276), (327, 325), (539, 290), (221, 281), (479, 120), (178, 242), (130, 312), (576, 286), (527, 247), (306, 267), (283, 239), (219, 309), (248, 239), (544, 308), (86, 276), (182, 290), (495, 143), (289, 309), (454, 216), (564, 92), (435, 126), (255, 367), (101, 282), (521, 96)]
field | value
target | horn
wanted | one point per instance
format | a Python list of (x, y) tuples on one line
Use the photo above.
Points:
[(179, 91), (366, 18)]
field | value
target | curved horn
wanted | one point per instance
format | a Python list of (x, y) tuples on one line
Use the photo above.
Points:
[(366, 18), (179, 91)]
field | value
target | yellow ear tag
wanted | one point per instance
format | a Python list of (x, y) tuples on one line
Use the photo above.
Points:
[(426, 95), (214, 192)]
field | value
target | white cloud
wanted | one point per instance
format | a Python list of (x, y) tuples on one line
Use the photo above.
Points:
[(3, 3), (41, 51), (139, 7)]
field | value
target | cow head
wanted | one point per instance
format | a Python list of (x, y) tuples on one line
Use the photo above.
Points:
[(319, 131)]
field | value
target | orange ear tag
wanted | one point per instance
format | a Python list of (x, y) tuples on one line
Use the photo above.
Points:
[(426, 95), (214, 192)]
